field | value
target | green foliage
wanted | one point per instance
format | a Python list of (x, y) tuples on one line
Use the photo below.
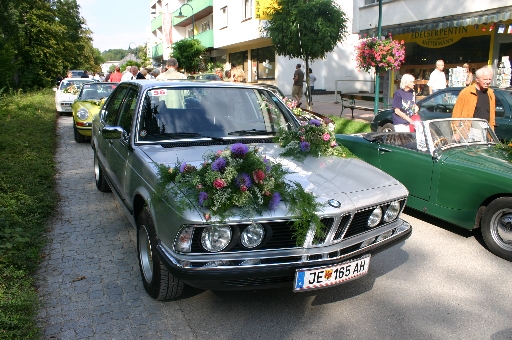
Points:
[(210, 67), (187, 52), (27, 200), (114, 55)]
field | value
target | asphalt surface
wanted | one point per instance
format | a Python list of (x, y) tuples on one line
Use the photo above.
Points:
[(441, 283)]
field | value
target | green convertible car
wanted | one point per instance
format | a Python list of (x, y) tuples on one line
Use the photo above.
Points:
[(454, 169)]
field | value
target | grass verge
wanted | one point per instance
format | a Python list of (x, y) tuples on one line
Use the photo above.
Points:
[(27, 200), (349, 126)]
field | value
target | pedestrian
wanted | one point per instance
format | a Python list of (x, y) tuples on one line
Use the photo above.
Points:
[(132, 75), (172, 70), (469, 76), (218, 71), (141, 74), (128, 68), (237, 74), (298, 79), (155, 73), (404, 104), (107, 77), (312, 79), (96, 76), (116, 76), (69, 74), (477, 100), (84, 75), (437, 80)]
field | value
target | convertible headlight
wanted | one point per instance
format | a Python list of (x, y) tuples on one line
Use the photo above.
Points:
[(392, 211), (252, 236), (82, 114), (375, 217), (183, 242), (216, 238)]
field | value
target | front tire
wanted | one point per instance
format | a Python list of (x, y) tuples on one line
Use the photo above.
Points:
[(158, 282), (497, 227), (99, 176), (79, 138)]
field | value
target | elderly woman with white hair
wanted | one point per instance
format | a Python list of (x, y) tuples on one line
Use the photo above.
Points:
[(404, 104)]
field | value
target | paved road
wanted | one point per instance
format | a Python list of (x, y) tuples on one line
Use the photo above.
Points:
[(440, 284)]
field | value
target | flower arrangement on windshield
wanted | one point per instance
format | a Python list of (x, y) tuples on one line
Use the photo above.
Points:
[(505, 146), (238, 181), (388, 54), (313, 138), (72, 89)]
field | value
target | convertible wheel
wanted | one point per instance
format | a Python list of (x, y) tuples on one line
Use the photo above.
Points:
[(79, 138), (497, 227), (99, 176), (158, 282), (388, 127)]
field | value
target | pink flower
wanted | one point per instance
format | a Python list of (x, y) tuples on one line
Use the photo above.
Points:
[(243, 188), (219, 183), (258, 176), (333, 144), (326, 137)]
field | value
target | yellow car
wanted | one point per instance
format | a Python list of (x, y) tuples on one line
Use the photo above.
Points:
[(87, 104)]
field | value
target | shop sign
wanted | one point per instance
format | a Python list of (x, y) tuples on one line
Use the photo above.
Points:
[(262, 7), (441, 37)]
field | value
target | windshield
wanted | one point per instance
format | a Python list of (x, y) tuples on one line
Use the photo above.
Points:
[(194, 112), (447, 133), (96, 91), (76, 83)]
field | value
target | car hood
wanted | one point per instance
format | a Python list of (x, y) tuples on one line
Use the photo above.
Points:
[(91, 105), (325, 177), (487, 157), (66, 96)]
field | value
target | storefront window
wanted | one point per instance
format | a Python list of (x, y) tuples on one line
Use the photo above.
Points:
[(264, 60), (240, 59)]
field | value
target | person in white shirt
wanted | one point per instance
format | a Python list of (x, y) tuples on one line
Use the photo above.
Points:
[(437, 80), (132, 75), (172, 71)]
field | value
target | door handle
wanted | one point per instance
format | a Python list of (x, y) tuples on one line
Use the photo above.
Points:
[(382, 150)]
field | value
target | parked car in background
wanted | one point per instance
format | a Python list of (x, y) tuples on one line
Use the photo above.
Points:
[(88, 103), (453, 170), (440, 105), (150, 134), (76, 73), (204, 76), (67, 92)]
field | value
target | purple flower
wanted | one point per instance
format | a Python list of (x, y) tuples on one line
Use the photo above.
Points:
[(304, 146), (203, 196), (243, 179), (315, 122), (183, 166), (239, 149), (274, 201), (219, 164)]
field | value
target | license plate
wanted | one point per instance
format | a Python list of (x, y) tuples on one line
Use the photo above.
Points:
[(314, 278)]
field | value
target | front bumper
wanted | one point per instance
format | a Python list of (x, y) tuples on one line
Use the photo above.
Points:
[(279, 266), (64, 106)]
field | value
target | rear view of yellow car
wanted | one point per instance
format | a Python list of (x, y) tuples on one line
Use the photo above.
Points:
[(88, 103)]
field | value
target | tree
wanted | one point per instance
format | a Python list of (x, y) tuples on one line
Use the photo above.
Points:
[(187, 52), (306, 29)]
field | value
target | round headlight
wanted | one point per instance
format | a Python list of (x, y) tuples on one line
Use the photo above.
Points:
[(82, 114), (375, 217), (216, 238), (252, 236), (392, 211)]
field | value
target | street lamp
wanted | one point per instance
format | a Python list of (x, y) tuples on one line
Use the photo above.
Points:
[(181, 16), (129, 49)]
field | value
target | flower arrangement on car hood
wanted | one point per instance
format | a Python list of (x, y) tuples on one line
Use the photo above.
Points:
[(313, 138), (238, 180), (71, 89), (388, 54)]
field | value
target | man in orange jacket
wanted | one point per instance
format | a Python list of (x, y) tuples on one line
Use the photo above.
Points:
[(478, 100)]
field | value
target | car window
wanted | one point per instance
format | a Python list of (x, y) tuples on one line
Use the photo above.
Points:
[(113, 105), (441, 102), (505, 103), (65, 84), (176, 113), (127, 110), (500, 109)]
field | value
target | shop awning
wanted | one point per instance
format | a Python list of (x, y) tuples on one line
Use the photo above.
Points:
[(477, 18)]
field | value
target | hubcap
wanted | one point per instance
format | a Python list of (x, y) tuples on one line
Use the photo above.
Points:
[(96, 170), (145, 254), (501, 228)]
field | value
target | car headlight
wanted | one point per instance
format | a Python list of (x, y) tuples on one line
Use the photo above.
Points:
[(82, 114), (375, 217), (216, 238), (183, 242), (392, 211), (252, 236)]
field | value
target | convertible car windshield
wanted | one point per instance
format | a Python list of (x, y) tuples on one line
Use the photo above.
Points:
[(195, 112)]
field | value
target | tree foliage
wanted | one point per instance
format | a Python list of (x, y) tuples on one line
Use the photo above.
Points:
[(188, 52), (40, 39)]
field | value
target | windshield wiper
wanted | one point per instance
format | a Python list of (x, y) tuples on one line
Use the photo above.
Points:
[(250, 132), (179, 135)]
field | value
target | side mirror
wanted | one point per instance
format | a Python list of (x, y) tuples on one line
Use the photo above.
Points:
[(112, 132)]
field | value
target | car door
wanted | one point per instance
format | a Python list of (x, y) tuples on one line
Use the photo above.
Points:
[(120, 149), (503, 126), (439, 105), (412, 168)]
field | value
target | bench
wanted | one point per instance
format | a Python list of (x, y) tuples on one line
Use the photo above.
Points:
[(348, 101)]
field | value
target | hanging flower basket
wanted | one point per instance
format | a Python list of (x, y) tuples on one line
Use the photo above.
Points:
[(386, 53)]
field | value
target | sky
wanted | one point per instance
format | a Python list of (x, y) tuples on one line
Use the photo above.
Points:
[(116, 23)]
